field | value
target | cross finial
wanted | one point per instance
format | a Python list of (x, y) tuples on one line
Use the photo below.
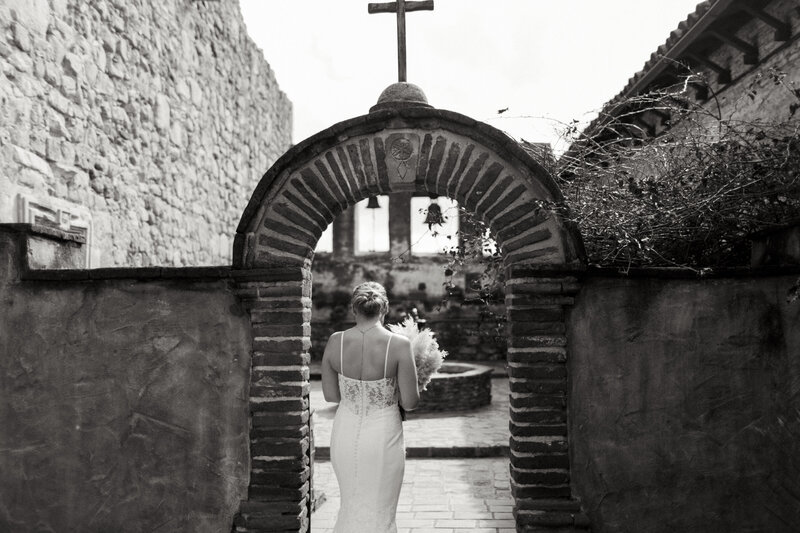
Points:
[(401, 7)]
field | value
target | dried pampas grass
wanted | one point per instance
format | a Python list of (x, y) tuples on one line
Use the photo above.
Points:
[(428, 357)]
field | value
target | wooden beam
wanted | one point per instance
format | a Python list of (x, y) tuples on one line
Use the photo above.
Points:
[(782, 30), (750, 52), (423, 5), (723, 73)]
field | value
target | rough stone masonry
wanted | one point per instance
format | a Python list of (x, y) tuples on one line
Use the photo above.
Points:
[(153, 121)]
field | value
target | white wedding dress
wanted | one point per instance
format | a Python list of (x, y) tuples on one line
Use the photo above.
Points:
[(367, 453)]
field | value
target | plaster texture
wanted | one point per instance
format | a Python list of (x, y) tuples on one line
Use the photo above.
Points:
[(123, 405), (685, 404)]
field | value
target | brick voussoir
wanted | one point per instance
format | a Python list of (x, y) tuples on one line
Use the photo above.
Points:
[(468, 180), (452, 183), (311, 189), (354, 158), (507, 198), (439, 183), (535, 217), (297, 218), (306, 209), (424, 153), (331, 184), (533, 237), (435, 159), (482, 185), (369, 168), (339, 178)]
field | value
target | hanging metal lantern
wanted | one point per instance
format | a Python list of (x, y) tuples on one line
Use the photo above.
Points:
[(434, 216), (373, 203)]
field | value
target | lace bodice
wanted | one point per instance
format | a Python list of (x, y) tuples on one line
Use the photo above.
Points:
[(366, 397)]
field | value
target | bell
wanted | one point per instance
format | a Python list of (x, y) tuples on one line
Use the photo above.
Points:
[(434, 216), (373, 203)]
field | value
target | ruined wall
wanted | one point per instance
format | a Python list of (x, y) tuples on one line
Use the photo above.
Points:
[(154, 120), (685, 404), (467, 331), (123, 403)]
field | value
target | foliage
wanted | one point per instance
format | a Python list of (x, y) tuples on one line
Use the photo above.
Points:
[(689, 197)]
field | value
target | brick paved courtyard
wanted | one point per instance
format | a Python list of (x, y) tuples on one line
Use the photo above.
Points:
[(438, 495), (441, 495)]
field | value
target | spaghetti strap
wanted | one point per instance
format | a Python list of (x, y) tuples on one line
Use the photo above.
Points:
[(386, 357), (341, 353)]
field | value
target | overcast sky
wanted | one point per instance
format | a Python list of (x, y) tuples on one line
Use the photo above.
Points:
[(547, 61)]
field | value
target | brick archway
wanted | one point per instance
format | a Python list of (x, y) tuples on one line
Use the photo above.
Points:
[(427, 151)]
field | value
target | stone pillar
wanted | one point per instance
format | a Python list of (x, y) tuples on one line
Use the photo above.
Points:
[(400, 224), (537, 366), (278, 499), (344, 234)]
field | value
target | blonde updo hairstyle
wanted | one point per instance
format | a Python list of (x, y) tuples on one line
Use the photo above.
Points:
[(369, 300)]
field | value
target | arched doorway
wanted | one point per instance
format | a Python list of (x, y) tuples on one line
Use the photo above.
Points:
[(410, 148)]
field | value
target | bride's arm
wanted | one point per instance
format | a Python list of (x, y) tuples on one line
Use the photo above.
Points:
[(330, 379), (406, 373)]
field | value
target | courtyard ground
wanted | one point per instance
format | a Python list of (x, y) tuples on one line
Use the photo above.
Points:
[(457, 474)]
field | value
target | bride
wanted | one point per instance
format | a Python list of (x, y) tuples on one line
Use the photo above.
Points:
[(367, 369)]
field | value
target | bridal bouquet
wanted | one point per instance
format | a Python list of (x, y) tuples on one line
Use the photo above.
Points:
[(427, 355)]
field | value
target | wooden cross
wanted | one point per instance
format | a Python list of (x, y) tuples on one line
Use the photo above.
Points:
[(401, 7)]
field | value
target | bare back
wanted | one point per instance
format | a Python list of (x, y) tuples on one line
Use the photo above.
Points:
[(377, 361)]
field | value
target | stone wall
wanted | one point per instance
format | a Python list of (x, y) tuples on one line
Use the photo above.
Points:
[(685, 404), (123, 402), (468, 330), (153, 120)]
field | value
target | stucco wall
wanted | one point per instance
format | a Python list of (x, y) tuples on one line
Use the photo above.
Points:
[(153, 119), (123, 405), (685, 404)]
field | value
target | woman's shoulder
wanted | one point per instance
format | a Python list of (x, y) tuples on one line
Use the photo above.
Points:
[(399, 341)]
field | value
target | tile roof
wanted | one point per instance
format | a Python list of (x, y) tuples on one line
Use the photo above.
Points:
[(674, 36)]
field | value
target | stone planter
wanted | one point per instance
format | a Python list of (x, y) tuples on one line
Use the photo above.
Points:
[(457, 387)]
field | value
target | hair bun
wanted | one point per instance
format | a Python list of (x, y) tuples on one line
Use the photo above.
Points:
[(369, 299)]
